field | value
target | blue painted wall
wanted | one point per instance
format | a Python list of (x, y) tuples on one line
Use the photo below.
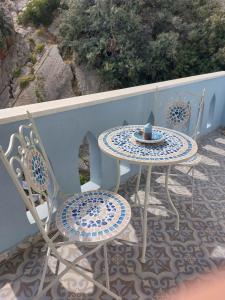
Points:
[(62, 133)]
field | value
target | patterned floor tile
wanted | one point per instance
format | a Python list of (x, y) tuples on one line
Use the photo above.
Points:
[(174, 259)]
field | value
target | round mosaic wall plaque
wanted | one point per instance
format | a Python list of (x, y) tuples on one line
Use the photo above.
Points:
[(93, 216), (120, 143), (36, 171), (178, 113)]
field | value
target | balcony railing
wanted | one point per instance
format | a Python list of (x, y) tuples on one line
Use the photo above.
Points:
[(63, 125)]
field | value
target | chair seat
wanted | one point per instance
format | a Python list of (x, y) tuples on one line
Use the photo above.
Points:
[(194, 160), (93, 217)]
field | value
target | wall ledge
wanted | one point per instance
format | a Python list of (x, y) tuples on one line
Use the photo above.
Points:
[(18, 113)]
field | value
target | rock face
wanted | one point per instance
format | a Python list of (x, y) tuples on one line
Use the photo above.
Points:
[(53, 80), (88, 80), (52, 77), (14, 57)]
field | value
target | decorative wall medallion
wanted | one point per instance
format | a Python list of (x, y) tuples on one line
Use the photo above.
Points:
[(178, 113)]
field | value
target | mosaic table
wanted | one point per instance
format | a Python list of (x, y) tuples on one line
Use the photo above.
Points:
[(120, 144)]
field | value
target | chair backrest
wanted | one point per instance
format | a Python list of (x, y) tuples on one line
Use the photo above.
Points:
[(199, 115), (178, 112), (27, 164)]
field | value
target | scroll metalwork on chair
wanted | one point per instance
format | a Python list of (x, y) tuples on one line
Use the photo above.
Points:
[(93, 218)]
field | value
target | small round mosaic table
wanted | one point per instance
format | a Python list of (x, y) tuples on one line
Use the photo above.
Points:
[(120, 144)]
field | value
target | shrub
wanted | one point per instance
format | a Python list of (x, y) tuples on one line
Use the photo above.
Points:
[(132, 42), (39, 96), (32, 58), (31, 42), (40, 31), (39, 12), (83, 179), (39, 48), (16, 72), (25, 80)]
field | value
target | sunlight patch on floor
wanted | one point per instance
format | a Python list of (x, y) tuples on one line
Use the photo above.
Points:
[(174, 186), (218, 252), (209, 161), (214, 149), (129, 235), (7, 292), (197, 174), (71, 281), (157, 207), (220, 140)]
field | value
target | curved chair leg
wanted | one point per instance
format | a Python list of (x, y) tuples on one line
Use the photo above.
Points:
[(106, 266), (44, 270), (72, 265), (116, 188)]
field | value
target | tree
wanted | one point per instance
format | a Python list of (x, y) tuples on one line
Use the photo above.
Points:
[(139, 41)]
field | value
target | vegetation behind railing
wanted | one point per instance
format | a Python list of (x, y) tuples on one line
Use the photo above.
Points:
[(132, 42), (39, 12)]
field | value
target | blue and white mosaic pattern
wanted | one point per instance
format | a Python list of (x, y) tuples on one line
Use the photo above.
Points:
[(37, 171), (93, 216), (178, 113), (120, 143)]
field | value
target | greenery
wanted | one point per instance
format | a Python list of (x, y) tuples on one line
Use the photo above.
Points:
[(25, 80), (40, 31), (84, 179), (5, 29), (32, 58), (16, 72), (39, 96), (39, 12), (39, 89), (39, 48), (132, 42)]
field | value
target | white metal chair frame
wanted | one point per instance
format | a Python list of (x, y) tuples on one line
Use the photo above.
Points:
[(187, 164), (15, 163)]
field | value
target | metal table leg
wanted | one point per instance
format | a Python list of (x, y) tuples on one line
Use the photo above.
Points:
[(136, 197), (117, 176), (175, 211), (145, 219), (192, 187)]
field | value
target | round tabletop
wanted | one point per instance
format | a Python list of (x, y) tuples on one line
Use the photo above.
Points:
[(120, 143)]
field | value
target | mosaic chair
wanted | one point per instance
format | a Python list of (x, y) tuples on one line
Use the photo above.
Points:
[(178, 114), (91, 218), (196, 159)]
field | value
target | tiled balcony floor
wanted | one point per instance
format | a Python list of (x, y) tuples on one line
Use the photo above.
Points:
[(173, 258)]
